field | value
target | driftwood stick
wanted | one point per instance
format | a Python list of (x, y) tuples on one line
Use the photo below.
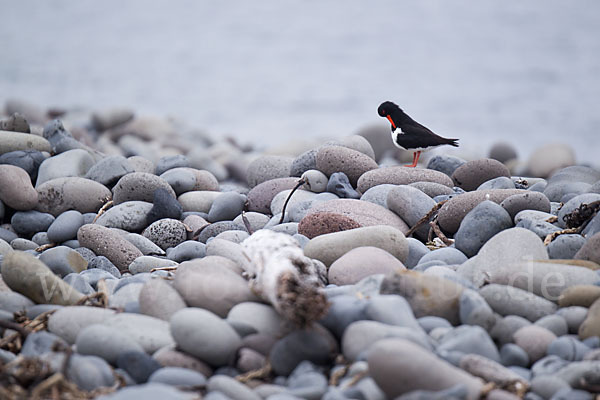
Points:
[(301, 182), (425, 218), (549, 238), (105, 207), (438, 232), (247, 223)]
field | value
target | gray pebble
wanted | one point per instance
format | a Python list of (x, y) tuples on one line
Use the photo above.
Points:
[(565, 247), (65, 226), (568, 348), (26, 223), (469, 340), (416, 250), (540, 228), (474, 310), (339, 184), (63, 260), (41, 238), (166, 233), (447, 255), (38, 343), (513, 355), (169, 162), (501, 182), (315, 181), (179, 377), (105, 342), (554, 323), (226, 207), (187, 250), (445, 164), (104, 264), (79, 283), (95, 274), (109, 170), (304, 162), (138, 365)]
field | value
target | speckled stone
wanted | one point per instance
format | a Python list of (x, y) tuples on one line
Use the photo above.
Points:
[(166, 233), (473, 173), (16, 190), (107, 242), (590, 250), (139, 186), (268, 167), (129, 216), (261, 196), (331, 159), (304, 162), (526, 201), (352, 212), (13, 141), (72, 193), (399, 175), (452, 213), (432, 189)]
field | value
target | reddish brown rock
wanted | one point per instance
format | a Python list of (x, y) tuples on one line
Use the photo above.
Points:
[(473, 173), (260, 197), (331, 159), (453, 212), (350, 214), (590, 251), (108, 243), (400, 175)]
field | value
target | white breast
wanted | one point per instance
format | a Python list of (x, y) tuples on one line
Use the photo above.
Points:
[(395, 133)]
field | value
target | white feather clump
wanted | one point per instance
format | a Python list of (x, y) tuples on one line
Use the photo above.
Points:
[(280, 273)]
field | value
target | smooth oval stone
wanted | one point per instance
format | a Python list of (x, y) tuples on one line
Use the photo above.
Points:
[(169, 357), (261, 196), (469, 340), (574, 204), (67, 322), (23, 244), (399, 175), (357, 214), (331, 159), (427, 294), (329, 247), (268, 167), (108, 243), (13, 141), (411, 205), (503, 152), (75, 162), (505, 248), (432, 189), (147, 263), (13, 301), (540, 228), (501, 182), (141, 164), (149, 332), (503, 330), (315, 181), (361, 262), (212, 284), (26, 223), (472, 174), (299, 196), (574, 316), (314, 344), (479, 225), (568, 348), (554, 323), (63, 260), (190, 179), (226, 207), (230, 388), (509, 300), (105, 341), (204, 335), (416, 251), (545, 279), (261, 317), (27, 275), (199, 201), (447, 255), (454, 210), (16, 190), (109, 170), (590, 250), (575, 179), (217, 228), (361, 335), (71, 193), (534, 340), (129, 216), (579, 295), (180, 377), (187, 250), (304, 162), (169, 162), (445, 163), (15, 123), (65, 226), (511, 354), (526, 201), (474, 310), (166, 233), (139, 186), (549, 158), (422, 370), (378, 194), (145, 245)]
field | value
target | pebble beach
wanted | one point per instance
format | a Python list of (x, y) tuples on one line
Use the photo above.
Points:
[(141, 257)]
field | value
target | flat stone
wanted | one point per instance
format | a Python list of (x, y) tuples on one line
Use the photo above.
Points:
[(139, 186), (329, 247), (129, 216), (399, 175), (353, 213), (13, 141), (509, 300), (204, 335), (71, 193), (67, 322), (472, 174), (452, 213), (422, 370), (331, 159), (361, 262), (16, 190), (27, 275), (211, 283), (426, 294), (145, 245), (107, 242), (188, 250), (447, 255)]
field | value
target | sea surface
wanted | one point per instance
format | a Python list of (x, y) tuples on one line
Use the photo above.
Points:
[(267, 71)]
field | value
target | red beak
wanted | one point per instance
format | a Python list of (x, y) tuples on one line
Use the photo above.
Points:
[(391, 121)]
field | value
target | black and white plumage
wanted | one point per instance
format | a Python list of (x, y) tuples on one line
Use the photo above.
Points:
[(408, 134)]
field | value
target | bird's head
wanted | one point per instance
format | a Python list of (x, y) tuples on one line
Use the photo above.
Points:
[(387, 109)]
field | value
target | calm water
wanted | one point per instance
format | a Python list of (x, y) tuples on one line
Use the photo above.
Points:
[(265, 71)]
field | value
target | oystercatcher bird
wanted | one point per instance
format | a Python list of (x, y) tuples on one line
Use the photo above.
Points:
[(408, 134)]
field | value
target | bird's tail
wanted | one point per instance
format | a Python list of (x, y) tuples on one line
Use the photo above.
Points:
[(452, 142)]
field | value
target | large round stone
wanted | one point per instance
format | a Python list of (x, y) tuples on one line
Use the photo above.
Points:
[(16, 190), (399, 175), (108, 243), (331, 159), (139, 186), (473, 173), (411, 205), (72, 193), (361, 262)]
